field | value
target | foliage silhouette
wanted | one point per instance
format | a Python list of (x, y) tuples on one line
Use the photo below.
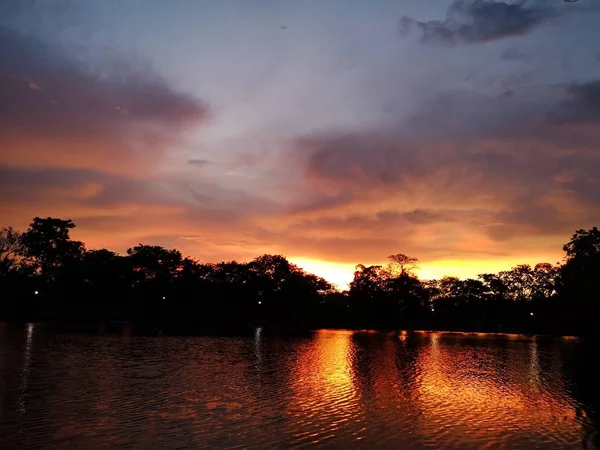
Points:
[(45, 275)]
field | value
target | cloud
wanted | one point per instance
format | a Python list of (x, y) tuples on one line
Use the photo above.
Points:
[(56, 111), (64, 191), (479, 21), (466, 173), (527, 219), (341, 152), (514, 54), (87, 143), (369, 238), (580, 105), (118, 211), (197, 162)]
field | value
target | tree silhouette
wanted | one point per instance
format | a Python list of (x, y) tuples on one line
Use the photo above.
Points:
[(580, 279), (583, 245), (44, 275), (401, 264), (10, 250), (48, 243)]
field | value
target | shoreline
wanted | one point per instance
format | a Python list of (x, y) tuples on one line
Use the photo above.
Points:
[(158, 329)]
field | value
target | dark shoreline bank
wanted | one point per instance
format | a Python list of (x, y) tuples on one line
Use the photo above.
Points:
[(166, 329)]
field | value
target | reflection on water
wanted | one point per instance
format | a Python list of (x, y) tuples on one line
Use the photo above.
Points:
[(332, 389), (324, 400), (495, 393), (26, 364)]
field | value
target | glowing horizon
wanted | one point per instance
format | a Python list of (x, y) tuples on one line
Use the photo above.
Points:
[(341, 274)]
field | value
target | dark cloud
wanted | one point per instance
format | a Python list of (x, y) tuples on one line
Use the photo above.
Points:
[(92, 190), (319, 201), (18, 177), (356, 165), (451, 171), (78, 187), (358, 158), (379, 223), (478, 21), (421, 217), (528, 218), (197, 162), (461, 114), (513, 54), (529, 113), (16, 9), (355, 224), (581, 105), (55, 110)]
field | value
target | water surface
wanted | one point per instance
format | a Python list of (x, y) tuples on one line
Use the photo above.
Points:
[(331, 388)]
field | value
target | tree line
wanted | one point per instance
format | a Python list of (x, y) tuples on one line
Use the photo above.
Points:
[(47, 276)]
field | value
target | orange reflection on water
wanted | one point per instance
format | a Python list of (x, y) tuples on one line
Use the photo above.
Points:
[(403, 336), (484, 394), (324, 395)]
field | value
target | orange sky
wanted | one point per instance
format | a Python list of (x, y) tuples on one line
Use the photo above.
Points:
[(329, 141)]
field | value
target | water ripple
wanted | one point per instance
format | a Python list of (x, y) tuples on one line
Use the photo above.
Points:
[(332, 389)]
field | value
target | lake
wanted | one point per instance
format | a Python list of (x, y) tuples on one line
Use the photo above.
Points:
[(335, 389)]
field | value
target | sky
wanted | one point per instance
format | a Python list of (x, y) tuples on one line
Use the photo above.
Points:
[(335, 132)]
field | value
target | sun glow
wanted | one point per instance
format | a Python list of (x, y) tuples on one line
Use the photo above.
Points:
[(339, 274), (472, 268)]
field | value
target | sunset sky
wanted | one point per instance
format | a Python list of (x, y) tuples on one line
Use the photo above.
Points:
[(334, 132)]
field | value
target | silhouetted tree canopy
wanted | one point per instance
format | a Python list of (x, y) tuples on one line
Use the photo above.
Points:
[(583, 245), (10, 250), (401, 264), (48, 243), (45, 275)]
